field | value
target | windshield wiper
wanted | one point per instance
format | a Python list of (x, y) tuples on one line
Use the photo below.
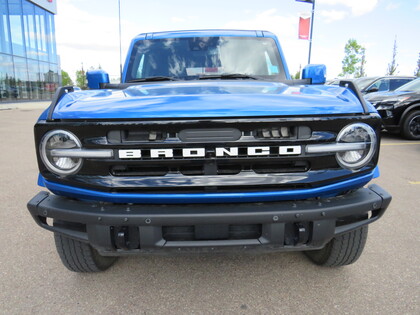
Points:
[(227, 76), (151, 79)]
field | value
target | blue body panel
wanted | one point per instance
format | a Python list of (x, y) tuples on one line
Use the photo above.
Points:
[(219, 98), (295, 194)]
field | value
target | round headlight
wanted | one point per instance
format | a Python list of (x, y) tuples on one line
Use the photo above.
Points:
[(60, 139), (357, 133)]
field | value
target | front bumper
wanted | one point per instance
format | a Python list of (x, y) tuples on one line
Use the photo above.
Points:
[(118, 229)]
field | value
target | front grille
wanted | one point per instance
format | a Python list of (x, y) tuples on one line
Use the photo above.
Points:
[(207, 155), (208, 135)]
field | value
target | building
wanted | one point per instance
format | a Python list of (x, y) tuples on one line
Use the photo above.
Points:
[(29, 64)]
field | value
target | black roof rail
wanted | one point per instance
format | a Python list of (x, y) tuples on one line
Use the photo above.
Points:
[(355, 89), (56, 98)]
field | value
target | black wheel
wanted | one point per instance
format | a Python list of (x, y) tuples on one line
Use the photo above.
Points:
[(342, 250), (80, 257), (411, 126)]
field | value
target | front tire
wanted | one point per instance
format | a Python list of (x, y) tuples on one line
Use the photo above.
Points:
[(80, 257), (342, 250), (411, 126)]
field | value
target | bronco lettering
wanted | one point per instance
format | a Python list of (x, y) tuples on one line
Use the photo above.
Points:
[(201, 152)]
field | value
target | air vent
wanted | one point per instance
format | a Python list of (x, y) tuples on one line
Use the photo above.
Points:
[(210, 135), (133, 136), (287, 132)]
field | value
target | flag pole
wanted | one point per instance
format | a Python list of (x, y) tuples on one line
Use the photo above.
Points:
[(310, 36)]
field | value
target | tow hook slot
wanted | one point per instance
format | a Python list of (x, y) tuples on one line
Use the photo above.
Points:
[(297, 233), (121, 239), (126, 238), (302, 234)]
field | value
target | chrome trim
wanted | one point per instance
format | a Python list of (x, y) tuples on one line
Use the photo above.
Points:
[(83, 153), (335, 147), (43, 151)]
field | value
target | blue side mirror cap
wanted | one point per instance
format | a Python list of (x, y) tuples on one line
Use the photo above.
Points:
[(95, 78), (318, 73)]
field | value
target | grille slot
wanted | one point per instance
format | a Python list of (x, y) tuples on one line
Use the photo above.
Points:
[(133, 136), (123, 170), (193, 233), (201, 168), (283, 167), (284, 132), (210, 135)]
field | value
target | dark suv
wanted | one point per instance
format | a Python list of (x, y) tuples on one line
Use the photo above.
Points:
[(400, 110), (378, 84)]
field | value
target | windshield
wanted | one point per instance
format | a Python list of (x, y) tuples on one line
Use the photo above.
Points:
[(412, 86), (363, 83), (191, 58)]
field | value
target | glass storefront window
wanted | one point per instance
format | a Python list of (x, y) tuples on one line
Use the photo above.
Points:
[(21, 77), (52, 51), (29, 29), (34, 83), (29, 65), (8, 91), (15, 18), (5, 46), (49, 79), (41, 34)]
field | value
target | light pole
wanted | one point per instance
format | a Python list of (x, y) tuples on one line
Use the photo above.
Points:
[(119, 28)]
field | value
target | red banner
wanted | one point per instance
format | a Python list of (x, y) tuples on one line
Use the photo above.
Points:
[(304, 24)]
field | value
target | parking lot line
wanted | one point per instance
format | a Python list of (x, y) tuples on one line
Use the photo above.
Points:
[(414, 183), (400, 143)]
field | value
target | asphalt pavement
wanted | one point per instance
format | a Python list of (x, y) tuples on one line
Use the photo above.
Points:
[(385, 280)]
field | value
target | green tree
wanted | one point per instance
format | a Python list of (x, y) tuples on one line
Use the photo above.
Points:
[(354, 53), (297, 74), (417, 71), (65, 79), (81, 79), (392, 67), (360, 70)]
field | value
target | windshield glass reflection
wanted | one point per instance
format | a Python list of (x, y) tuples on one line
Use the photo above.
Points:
[(190, 58)]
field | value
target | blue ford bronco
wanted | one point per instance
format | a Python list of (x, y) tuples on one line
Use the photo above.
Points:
[(207, 145)]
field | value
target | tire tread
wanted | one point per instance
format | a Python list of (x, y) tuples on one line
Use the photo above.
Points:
[(80, 257), (342, 250)]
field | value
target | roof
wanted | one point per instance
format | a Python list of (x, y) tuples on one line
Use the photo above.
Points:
[(199, 33)]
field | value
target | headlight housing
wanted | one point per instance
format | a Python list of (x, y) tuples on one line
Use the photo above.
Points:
[(55, 140), (357, 133)]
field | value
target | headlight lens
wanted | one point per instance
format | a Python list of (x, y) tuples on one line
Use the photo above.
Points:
[(357, 133), (60, 139)]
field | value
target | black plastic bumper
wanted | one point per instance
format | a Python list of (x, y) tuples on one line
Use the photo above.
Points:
[(286, 225)]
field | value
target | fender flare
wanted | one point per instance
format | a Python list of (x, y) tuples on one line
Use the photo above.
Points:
[(409, 109)]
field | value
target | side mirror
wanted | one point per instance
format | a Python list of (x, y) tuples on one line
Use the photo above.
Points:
[(317, 73), (372, 89), (95, 78)]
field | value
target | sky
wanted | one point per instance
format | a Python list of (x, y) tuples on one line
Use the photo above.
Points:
[(87, 32)]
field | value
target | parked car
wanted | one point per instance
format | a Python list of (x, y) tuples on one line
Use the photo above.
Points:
[(400, 110), (377, 84)]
